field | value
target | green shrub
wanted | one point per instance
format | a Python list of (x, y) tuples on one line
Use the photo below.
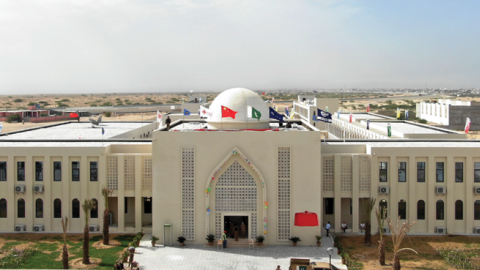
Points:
[(106, 104), (108, 114), (13, 118), (422, 121), (17, 100)]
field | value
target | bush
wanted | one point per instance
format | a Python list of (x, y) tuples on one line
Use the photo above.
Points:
[(260, 238), (17, 257), (108, 114), (295, 239), (13, 118), (154, 238), (422, 121), (210, 238), (181, 239), (107, 104)]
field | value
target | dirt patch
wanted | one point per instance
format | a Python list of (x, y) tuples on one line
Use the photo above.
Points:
[(100, 245), (3, 242), (23, 246), (47, 237), (60, 249), (77, 263)]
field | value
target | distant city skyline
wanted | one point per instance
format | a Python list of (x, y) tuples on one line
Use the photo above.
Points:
[(54, 46)]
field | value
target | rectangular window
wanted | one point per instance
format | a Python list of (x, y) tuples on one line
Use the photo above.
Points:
[(57, 171), (458, 172), (383, 171), (126, 205), (20, 170), (420, 171), (402, 172), (38, 171), (93, 171), (3, 171), (477, 172), (440, 172), (329, 206), (75, 171), (147, 205)]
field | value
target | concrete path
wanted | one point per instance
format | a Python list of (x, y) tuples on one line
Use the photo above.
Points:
[(203, 257)]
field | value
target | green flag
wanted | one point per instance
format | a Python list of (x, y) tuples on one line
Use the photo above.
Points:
[(253, 113), (389, 130)]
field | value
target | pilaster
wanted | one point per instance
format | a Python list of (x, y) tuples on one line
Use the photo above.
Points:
[(121, 193), (355, 191)]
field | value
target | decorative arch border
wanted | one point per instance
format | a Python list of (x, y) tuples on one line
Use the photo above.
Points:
[(214, 175)]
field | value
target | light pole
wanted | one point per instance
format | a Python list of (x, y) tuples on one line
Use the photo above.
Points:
[(330, 253)]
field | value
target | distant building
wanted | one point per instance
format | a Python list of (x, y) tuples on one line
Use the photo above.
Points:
[(450, 113)]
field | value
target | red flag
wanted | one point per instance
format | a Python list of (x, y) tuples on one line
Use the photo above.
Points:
[(368, 108), (263, 94), (73, 115), (306, 219), (351, 118), (226, 112), (467, 125)]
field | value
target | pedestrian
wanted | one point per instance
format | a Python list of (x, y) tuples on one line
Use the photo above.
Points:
[(235, 233), (344, 226), (224, 238), (168, 121), (362, 227), (327, 227)]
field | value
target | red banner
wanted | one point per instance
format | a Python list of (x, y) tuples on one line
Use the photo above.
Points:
[(73, 115), (306, 219)]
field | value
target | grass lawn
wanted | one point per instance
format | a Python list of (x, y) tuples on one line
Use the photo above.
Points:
[(49, 249)]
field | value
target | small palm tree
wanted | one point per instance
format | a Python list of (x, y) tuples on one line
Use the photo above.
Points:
[(87, 206), (106, 219), (368, 204), (381, 221), (398, 233), (65, 248)]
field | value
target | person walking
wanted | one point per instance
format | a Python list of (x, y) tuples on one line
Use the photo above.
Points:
[(224, 238), (327, 227), (362, 227), (168, 121)]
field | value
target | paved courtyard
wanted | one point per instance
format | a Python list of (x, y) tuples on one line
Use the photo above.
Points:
[(202, 257)]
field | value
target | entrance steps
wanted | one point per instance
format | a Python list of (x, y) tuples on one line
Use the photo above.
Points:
[(240, 243)]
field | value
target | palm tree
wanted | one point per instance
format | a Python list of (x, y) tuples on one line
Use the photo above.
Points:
[(87, 206), (398, 234), (106, 219), (368, 204), (381, 242), (65, 248)]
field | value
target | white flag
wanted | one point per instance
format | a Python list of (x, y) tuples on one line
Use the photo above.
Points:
[(172, 107), (467, 125), (159, 117), (204, 112)]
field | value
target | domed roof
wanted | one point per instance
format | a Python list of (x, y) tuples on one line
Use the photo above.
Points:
[(238, 100)]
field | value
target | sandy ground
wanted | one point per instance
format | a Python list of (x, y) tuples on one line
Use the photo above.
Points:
[(77, 263), (100, 245)]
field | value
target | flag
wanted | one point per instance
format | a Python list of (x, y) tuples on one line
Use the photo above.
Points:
[(324, 116), (273, 99), (292, 113), (314, 91), (103, 131), (406, 114), (389, 130), (263, 94), (351, 118), (186, 112), (159, 117), (326, 108), (275, 115), (398, 113), (253, 113), (226, 112), (286, 111), (172, 107), (314, 118), (338, 115), (368, 123), (73, 115), (276, 108), (204, 112), (368, 107), (467, 125)]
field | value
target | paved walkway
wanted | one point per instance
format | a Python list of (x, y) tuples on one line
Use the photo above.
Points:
[(203, 257)]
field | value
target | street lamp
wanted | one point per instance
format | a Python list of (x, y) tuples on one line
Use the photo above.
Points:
[(330, 251)]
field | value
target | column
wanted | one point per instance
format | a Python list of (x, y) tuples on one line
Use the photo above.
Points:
[(84, 179), (47, 193), (28, 195), (102, 182), (121, 193), (431, 202), (412, 198), (468, 203), (337, 192), (393, 179), (66, 178), (374, 183), (10, 197), (138, 193), (450, 197), (355, 191)]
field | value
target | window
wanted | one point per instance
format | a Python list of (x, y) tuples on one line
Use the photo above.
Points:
[(38, 171), (147, 205), (477, 171), (75, 171), (383, 171), (458, 172), (440, 172), (402, 172), (421, 210), (329, 206), (39, 208), (3, 171), (420, 171), (402, 209), (94, 211), (93, 171), (75, 208), (20, 208), (440, 210), (459, 210), (20, 170), (57, 208), (383, 208), (476, 209), (57, 171), (125, 201), (3, 208)]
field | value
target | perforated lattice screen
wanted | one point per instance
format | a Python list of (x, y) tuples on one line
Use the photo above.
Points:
[(328, 174), (346, 173), (188, 193), (112, 173), (253, 228), (364, 177), (283, 193), (147, 173), (218, 225), (129, 170)]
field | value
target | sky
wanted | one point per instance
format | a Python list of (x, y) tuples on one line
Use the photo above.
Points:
[(98, 46)]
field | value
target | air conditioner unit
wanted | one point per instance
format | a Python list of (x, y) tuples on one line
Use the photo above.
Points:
[(93, 228), (38, 228), (441, 190), (477, 190), (383, 190), (20, 188), (38, 188), (476, 230), (20, 228), (110, 218), (442, 230), (385, 230)]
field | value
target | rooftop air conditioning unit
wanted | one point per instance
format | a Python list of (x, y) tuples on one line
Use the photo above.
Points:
[(477, 190), (93, 228), (442, 230), (38, 188), (385, 230), (441, 190), (20, 228), (38, 228), (20, 188), (476, 230), (383, 190)]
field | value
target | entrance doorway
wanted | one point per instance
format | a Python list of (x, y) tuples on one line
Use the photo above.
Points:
[(234, 223)]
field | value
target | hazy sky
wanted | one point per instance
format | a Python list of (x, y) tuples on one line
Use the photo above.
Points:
[(77, 46)]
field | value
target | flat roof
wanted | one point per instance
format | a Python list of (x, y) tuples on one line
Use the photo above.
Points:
[(203, 126), (407, 143)]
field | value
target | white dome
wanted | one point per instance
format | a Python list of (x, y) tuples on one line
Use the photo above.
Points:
[(238, 100)]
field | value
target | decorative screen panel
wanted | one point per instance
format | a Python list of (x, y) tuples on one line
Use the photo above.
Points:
[(188, 193), (346, 173), (328, 174), (147, 173), (364, 177), (283, 193), (129, 170), (112, 173), (218, 225), (253, 227)]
